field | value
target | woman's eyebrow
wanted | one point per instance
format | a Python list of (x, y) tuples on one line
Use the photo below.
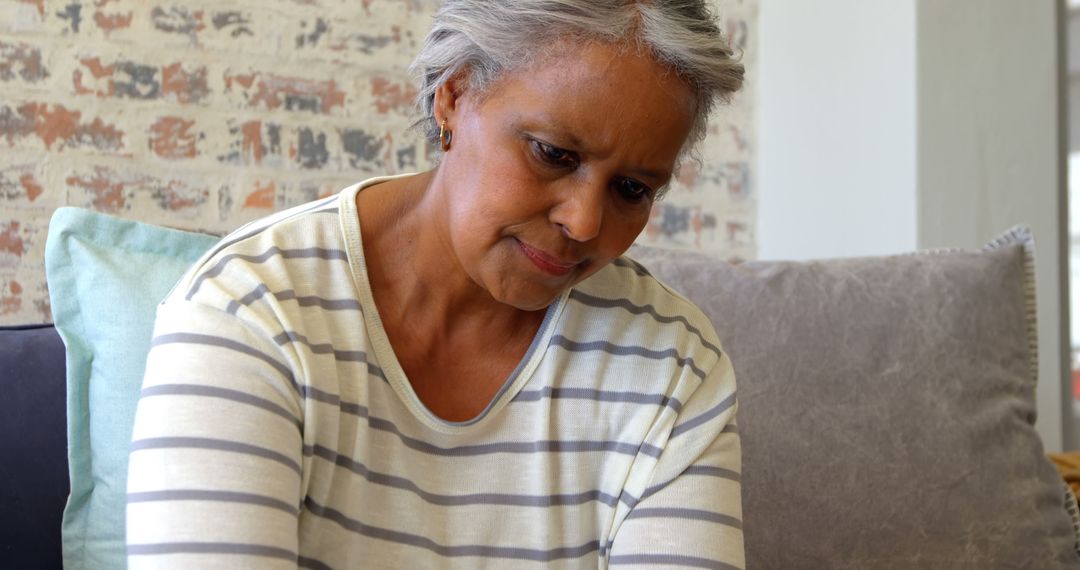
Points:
[(649, 173), (548, 126)]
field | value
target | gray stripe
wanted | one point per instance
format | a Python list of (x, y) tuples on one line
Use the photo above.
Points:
[(598, 396), (704, 470), (672, 560), (311, 392), (695, 422), (312, 208), (327, 348), (619, 350), (685, 514), (308, 253), (425, 543), (228, 344), (223, 393), (710, 471), (290, 295), (271, 252), (210, 548), (628, 499), (631, 264), (459, 500), (214, 444), (214, 496), (601, 303), (305, 562)]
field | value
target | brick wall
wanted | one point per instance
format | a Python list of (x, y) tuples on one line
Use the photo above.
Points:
[(204, 115)]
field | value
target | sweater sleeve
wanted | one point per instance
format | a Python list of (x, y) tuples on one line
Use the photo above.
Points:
[(690, 515), (215, 471)]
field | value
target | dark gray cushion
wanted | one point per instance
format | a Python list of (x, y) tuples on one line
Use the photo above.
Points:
[(33, 445), (886, 408)]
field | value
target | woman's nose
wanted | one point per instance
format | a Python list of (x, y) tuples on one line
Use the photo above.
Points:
[(580, 211)]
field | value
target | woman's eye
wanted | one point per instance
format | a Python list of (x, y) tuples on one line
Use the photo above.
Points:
[(631, 190), (554, 156)]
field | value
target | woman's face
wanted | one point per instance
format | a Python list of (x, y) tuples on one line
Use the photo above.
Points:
[(552, 171)]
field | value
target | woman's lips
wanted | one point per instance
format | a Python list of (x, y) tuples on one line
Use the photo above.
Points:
[(545, 262)]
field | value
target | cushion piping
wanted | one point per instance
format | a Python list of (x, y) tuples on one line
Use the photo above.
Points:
[(1017, 235), (1021, 235)]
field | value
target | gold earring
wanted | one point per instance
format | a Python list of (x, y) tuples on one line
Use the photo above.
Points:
[(445, 136)]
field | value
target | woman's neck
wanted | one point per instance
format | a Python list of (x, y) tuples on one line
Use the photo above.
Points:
[(418, 284)]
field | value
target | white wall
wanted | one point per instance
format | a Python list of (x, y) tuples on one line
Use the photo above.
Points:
[(837, 120), (891, 126), (990, 154)]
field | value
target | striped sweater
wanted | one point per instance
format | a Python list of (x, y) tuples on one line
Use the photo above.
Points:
[(276, 429)]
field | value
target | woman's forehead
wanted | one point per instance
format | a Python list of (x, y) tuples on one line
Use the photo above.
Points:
[(593, 89)]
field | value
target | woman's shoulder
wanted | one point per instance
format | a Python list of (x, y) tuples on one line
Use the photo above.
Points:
[(628, 297), (268, 252), (627, 282)]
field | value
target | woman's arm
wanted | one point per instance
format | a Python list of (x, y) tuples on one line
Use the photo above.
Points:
[(214, 479), (690, 515)]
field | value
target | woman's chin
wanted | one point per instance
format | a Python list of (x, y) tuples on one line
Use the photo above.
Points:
[(529, 303), (528, 297)]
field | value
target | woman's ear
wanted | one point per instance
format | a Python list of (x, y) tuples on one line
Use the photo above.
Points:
[(447, 99)]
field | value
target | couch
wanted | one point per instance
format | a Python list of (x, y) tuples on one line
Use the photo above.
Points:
[(886, 408)]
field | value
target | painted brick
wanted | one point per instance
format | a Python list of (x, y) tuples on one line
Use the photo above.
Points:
[(361, 147), (731, 178), (373, 151), (184, 86), (271, 91), (304, 147), (109, 21), (10, 297), (172, 138), (71, 14), (253, 142), (233, 28), (239, 204), (136, 80), (310, 150), (234, 23), (106, 189), (94, 77), (14, 242), (393, 96), (313, 36), (57, 126), (21, 61), (179, 20), (125, 78), (20, 185), (24, 298), (395, 34)]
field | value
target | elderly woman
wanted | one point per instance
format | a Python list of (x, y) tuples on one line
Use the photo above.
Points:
[(457, 367)]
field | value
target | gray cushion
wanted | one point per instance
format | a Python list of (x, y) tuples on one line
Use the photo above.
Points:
[(886, 408)]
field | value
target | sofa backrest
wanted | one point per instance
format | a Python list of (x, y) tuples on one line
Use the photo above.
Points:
[(33, 445), (886, 408)]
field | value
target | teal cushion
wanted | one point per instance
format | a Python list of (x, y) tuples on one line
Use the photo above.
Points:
[(106, 276)]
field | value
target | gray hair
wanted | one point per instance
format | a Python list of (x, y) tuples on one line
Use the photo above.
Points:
[(482, 39)]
